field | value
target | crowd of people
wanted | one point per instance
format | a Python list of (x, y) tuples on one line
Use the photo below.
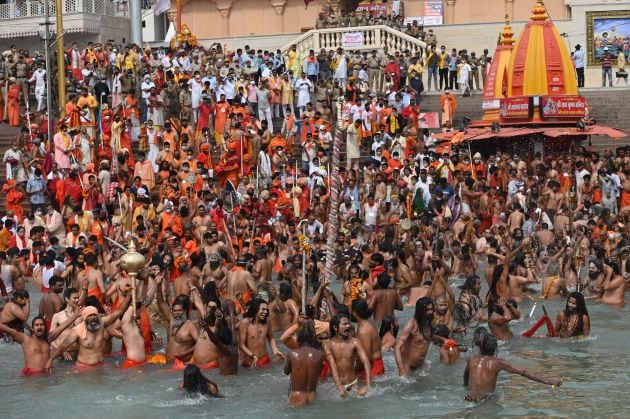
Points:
[(221, 168), (460, 70)]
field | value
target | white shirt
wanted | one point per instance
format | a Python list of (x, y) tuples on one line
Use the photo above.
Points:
[(39, 77), (578, 58), (146, 87)]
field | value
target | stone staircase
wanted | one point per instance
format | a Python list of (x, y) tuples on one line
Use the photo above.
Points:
[(364, 38), (7, 136)]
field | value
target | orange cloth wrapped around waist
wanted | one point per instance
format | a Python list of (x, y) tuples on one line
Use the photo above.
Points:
[(377, 367), (259, 364), (155, 359), (209, 366), (625, 199), (130, 363), (178, 365), (81, 367)]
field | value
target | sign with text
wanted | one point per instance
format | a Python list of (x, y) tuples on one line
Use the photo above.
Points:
[(562, 107), (374, 9), (515, 108), (352, 39), (433, 13), (410, 19)]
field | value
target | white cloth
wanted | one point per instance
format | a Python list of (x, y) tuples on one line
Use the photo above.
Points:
[(352, 143), (304, 88)]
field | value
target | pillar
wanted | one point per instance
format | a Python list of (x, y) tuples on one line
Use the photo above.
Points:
[(135, 16), (449, 17), (278, 7), (224, 7)]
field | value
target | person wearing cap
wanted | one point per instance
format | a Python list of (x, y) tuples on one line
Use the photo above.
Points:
[(578, 62), (606, 61)]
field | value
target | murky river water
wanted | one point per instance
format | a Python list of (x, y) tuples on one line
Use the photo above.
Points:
[(595, 371)]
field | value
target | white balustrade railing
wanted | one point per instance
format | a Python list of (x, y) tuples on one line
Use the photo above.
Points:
[(18, 9), (374, 37)]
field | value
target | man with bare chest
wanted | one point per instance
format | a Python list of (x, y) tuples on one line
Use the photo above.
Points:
[(254, 333), (240, 284), (416, 337), (384, 300), (51, 302), (89, 335), (182, 332)]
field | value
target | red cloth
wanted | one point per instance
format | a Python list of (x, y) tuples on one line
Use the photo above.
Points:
[(325, 370), (81, 367), (259, 364), (29, 372), (209, 366), (377, 367), (130, 363)]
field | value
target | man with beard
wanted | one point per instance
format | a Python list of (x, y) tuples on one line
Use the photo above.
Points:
[(345, 350), (598, 273), (182, 332), (214, 270), (574, 320), (369, 338), (89, 335), (36, 347), (480, 375), (304, 365), (443, 313), (416, 337), (254, 333)]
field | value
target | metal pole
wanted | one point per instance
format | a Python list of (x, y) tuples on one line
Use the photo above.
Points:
[(48, 76), (61, 65), (135, 15), (304, 289)]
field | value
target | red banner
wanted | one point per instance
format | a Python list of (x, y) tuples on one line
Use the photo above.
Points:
[(562, 107), (374, 9), (515, 107)]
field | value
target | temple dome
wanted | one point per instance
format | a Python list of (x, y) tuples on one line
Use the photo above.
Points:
[(497, 77), (540, 63)]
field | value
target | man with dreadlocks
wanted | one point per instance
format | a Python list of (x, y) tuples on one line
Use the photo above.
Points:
[(574, 320), (416, 337), (480, 375)]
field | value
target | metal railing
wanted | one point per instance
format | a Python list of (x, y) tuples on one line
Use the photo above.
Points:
[(19, 9)]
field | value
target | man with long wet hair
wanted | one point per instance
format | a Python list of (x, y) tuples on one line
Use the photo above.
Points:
[(254, 333), (414, 341), (574, 320)]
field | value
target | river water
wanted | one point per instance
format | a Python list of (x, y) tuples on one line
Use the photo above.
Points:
[(595, 371)]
